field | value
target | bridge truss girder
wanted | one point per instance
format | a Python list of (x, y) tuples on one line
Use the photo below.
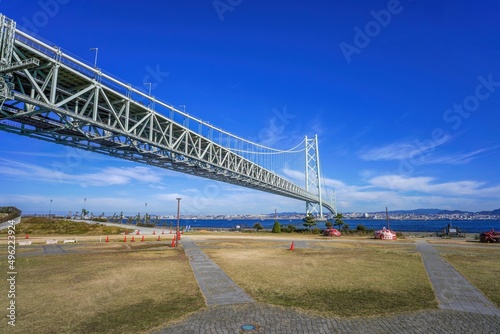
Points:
[(62, 100)]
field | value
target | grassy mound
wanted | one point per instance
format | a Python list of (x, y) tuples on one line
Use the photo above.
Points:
[(45, 226)]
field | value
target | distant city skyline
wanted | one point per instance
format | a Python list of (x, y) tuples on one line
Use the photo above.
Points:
[(403, 95)]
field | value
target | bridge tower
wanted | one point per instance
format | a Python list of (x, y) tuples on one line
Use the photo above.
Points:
[(333, 202), (313, 176)]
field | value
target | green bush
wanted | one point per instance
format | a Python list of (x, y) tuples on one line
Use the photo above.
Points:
[(276, 227), (290, 229), (145, 224), (360, 228), (258, 226), (9, 212)]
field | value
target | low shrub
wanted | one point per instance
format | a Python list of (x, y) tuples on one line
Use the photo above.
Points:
[(276, 227)]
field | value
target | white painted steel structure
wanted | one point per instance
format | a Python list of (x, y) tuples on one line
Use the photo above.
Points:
[(47, 94)]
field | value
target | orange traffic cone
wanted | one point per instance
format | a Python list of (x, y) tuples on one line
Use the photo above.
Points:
[(107, 239), (292, 246), (132, 239), (142, 239), (27, 236), (125, 239), (173, 242), (154, 232), (158, 238)]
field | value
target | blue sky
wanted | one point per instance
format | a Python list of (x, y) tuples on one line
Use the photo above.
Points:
[(403, 95)]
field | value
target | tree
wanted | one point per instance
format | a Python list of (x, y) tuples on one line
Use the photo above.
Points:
[(258, 226), (328, 224), (338, 221), (361, 229), (276, 227), (309, 221)]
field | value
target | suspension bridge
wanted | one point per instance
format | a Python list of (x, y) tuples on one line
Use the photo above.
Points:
[(47, 94)]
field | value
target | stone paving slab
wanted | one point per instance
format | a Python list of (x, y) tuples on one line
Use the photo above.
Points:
[(453, 291), (214, 283), (53, 249), (274, 320)]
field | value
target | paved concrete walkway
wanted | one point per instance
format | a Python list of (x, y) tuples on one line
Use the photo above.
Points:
[(216, 286), (276, 320), (53, 249), (452, 290), (463, 308)]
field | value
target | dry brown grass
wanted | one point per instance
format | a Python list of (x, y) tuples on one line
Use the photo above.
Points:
[(112, 292), (46, 226), (345, 279)]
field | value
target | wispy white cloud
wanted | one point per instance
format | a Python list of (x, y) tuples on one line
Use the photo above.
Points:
[(104, 177), (221, 198), (294, 174), (399, 192), (430, 185), (460, 158), (402, 150), (424, 153)]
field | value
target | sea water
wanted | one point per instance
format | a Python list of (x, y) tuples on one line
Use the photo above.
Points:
[(465, 226)]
